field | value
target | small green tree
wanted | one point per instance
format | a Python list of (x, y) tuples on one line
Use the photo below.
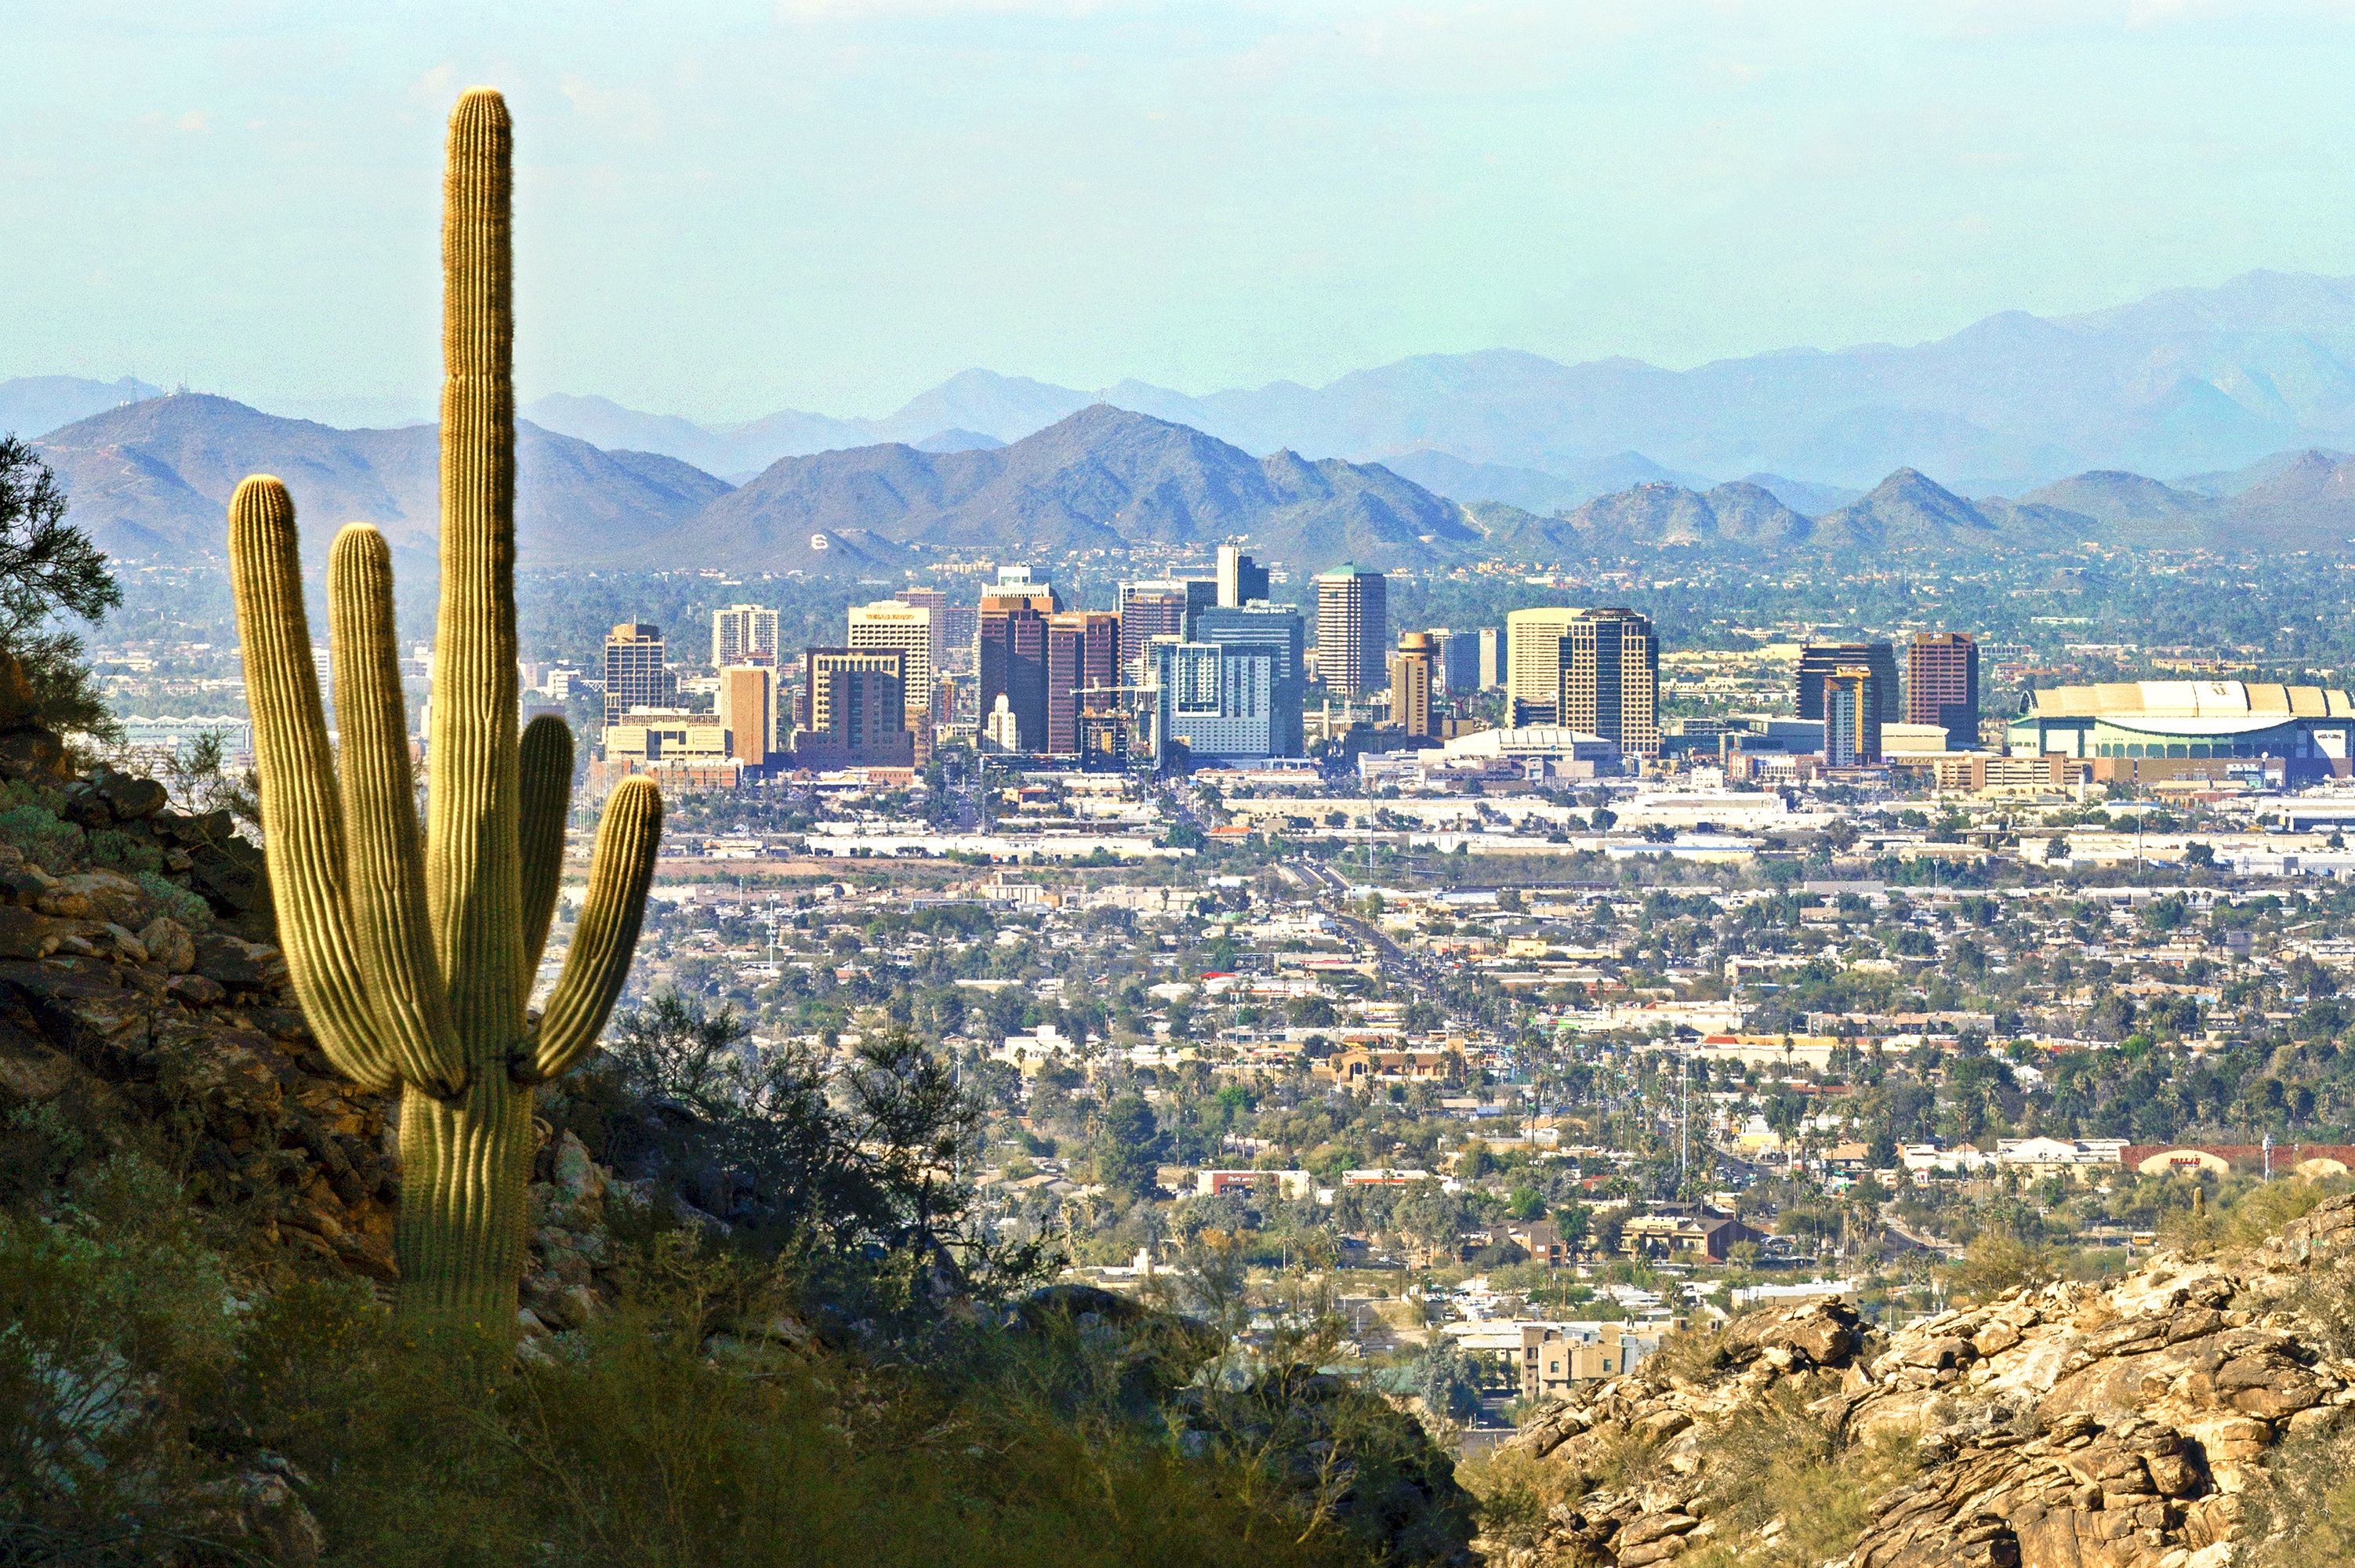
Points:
[(50, 573), (1128, 1146)]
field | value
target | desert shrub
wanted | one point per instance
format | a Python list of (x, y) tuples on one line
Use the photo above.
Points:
[(170, 898), (117, 1325), (2264, 1207), (112, 849), (678, 1429), (47, 840), (2301, 1509), (1786, 1492), (1517, 1491), (1997, 1263), (2242, 1211), (1693, 1355)]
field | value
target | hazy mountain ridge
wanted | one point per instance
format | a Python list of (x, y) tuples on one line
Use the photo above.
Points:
[(2185, 380), (1101, 477), (152, 480), (33, 406)]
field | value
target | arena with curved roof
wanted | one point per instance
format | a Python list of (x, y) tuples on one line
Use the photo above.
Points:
[(2212, 729)]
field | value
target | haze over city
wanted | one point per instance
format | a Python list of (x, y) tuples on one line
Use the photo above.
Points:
[(741, 208)]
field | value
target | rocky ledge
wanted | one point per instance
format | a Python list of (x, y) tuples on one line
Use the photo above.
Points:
[(132, 1014), (2062, 1426)]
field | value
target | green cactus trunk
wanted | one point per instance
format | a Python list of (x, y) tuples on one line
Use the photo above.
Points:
[(414, 954), (464, 1175)]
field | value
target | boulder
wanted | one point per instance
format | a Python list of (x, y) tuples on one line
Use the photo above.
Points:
[(170, 946)]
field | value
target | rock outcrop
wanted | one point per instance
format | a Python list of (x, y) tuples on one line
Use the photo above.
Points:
[(2062, 1426), (147, 1008)]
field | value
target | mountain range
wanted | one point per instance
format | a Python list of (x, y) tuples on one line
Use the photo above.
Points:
[(2186, 380), (151, 479)]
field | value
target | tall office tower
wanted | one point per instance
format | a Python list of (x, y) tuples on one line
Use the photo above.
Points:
[(1241, 578), (1411, 669), (1278, 629), (1852, 716), (1017, 587), (1155, 608), (1492, 658), (636, 676), (946, 621), (1083, 666), (1013, 657), (1214, 699), (888, 624), (1942, 686), (748, 712), (1817, 660), (857, 710), (1611, 679), (1353, 630), (743, 633), (1201, 594), (1458, 662), (1533, 655)]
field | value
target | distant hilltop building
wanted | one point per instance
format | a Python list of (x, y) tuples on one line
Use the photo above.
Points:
[(2134, 732)]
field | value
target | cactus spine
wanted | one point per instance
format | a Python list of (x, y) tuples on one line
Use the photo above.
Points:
[(413, 951)]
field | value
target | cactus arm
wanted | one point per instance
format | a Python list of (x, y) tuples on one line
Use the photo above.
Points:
[(547, 801), (302, 821), (474, 877), (599, 959), (384, 857)]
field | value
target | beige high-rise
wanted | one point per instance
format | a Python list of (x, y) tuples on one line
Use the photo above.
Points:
[(890, 623), (1353, 627), (1533, 662), (1611, 679), (748, 712), (1411, 686)]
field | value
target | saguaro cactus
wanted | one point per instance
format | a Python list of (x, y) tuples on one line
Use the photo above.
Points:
[(414, 952)]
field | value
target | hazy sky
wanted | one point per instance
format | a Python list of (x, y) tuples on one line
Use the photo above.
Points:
[(726, 209)]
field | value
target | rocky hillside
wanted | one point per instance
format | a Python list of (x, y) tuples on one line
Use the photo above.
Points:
[(2166, 1421), (144, 1005)]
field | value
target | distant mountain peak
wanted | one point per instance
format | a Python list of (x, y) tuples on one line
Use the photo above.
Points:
[(1098, 477)]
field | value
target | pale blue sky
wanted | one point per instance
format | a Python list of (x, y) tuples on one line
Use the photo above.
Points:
[(727, 208)]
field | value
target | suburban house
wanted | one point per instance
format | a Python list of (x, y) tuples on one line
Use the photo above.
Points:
[(1665, 1235)]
